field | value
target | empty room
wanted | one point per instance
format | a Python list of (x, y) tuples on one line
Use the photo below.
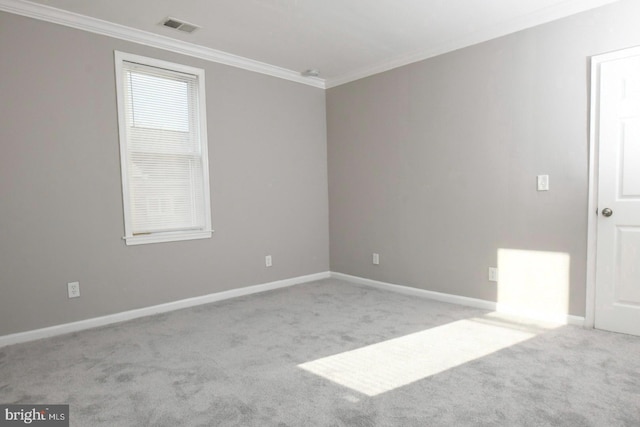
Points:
[(320, 213)]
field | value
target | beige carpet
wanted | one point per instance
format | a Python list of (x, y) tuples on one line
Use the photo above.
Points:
[(330, 354)]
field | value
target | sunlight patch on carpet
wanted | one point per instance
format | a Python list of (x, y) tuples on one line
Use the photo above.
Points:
[(387, 365)]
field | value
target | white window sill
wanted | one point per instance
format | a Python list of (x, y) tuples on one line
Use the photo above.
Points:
[(166, 237)]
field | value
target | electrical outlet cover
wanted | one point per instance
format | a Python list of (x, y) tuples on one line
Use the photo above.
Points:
[(73, 289)]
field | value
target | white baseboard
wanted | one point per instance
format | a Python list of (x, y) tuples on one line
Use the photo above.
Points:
[(233, 293), (565, 319), (156, 309), (407, 290)]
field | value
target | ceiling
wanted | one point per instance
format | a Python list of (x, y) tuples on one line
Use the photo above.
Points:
[(343, 39)]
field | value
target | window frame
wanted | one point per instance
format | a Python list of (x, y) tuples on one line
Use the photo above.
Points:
[(166, 236)]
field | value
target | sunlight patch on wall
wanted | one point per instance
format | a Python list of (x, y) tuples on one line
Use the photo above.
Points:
[(534, 283), (385, 366)]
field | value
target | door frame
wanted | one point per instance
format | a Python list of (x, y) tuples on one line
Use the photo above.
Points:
[(594, 145)]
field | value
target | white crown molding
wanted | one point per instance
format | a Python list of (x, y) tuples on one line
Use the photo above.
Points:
[(561, 10), (95, 322), (98, 26), (560, 318)]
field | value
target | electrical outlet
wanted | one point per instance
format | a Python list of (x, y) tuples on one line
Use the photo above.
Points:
[(376, 259), (73, 289), (493, 274), (267, 261)]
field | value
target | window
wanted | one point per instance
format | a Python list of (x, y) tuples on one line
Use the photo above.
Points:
[(163, 150)]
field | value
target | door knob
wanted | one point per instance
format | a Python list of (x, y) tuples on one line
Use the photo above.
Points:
[(607, 212)]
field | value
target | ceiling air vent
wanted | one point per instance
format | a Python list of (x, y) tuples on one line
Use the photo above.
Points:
[(311, 72), (176, 24)]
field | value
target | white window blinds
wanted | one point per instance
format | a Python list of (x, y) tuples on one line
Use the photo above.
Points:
[(163, 147)]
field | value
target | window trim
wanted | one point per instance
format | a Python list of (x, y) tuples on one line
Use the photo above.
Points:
[(169, 236)]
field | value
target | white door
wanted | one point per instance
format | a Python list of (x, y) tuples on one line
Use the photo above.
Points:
[(617, 118)]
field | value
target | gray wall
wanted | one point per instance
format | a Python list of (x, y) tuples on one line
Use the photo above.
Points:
[(433, 165), (60, 193)]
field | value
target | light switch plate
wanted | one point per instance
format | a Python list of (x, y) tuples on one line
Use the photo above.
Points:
[(543, 182)]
